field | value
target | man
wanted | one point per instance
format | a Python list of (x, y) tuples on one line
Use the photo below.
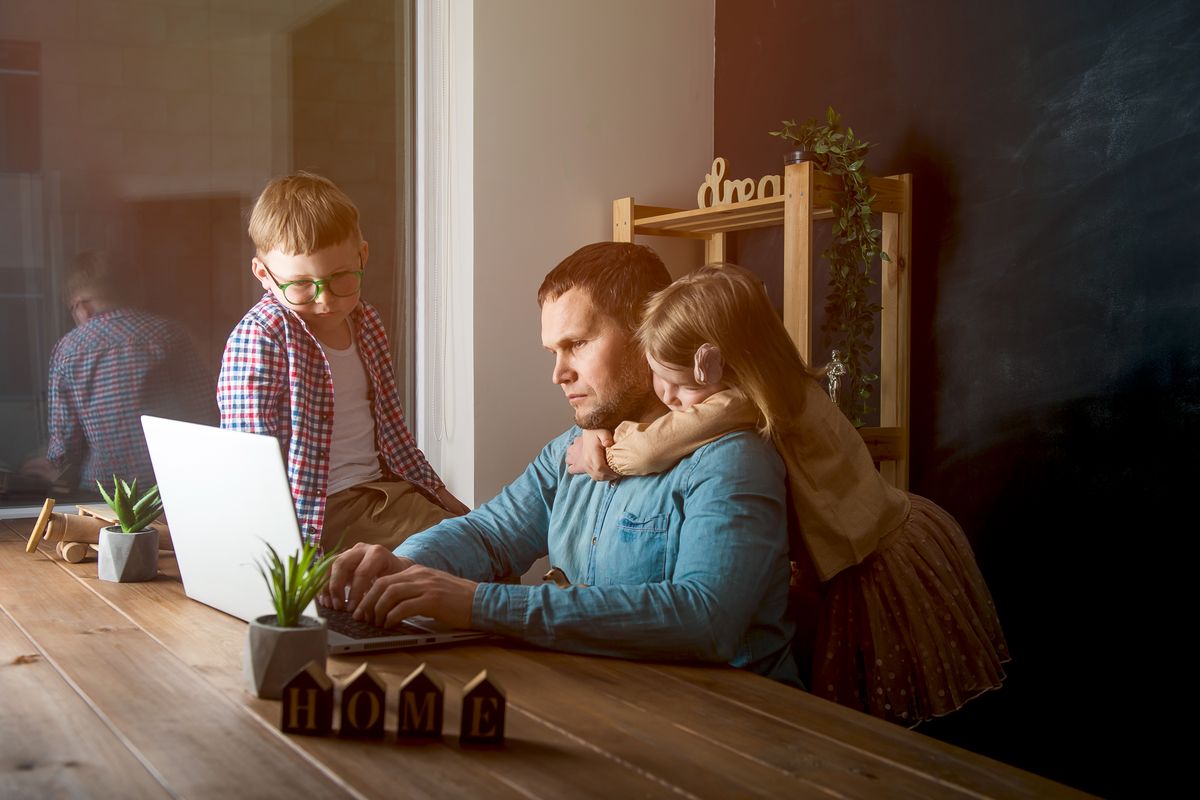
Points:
[(688, 564), (118, 364)]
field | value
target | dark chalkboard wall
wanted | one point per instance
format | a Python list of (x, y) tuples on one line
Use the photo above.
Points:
[(1056, 330)]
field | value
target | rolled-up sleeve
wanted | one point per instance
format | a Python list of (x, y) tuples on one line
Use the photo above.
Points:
[(730, 573), (503, 537)]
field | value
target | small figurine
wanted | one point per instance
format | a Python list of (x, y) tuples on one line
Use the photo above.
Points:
[(833, 378)]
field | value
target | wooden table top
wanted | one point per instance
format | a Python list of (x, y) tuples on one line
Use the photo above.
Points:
[(132, 690)]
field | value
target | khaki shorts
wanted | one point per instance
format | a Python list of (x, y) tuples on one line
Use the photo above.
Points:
[(380, 512)]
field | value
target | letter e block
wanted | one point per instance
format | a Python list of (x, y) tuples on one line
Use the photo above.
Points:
[(482, 712), (422, 700), (364, 701), (308, 702)]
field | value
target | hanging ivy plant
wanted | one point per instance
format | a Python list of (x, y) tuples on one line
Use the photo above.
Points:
[(849, 315)]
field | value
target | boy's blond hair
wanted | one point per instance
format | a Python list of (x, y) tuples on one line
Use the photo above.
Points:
[(724, 305), (300, 214)]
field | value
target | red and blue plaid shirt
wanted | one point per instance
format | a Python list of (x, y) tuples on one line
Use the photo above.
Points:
[(275, 379), (104, 375)]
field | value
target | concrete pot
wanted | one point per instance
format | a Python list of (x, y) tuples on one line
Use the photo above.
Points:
[(274, 655), (127, 557)]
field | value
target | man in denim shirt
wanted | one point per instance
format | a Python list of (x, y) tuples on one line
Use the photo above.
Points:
[(688, 564)]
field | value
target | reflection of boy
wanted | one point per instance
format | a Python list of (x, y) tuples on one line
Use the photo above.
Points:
[(309, 364), (118, 364)]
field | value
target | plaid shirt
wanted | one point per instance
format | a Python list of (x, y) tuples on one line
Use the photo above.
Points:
[(104, 375), (275, 379)]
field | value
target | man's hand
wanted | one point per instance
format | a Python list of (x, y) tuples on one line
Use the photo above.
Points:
[(418, 590), (357, 569), (586, 455)]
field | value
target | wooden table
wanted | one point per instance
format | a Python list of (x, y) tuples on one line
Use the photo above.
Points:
[(132, 690)]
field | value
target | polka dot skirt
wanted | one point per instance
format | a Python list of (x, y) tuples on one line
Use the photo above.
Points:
[(911, 632)]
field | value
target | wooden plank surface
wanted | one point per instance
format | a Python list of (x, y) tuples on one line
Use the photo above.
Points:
[(536, 761), (165, 712), (576, 726), (941, 764), (53, 744), (895, 325), (798, 257)]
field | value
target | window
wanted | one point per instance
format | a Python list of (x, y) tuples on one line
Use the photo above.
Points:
[(133, 142)]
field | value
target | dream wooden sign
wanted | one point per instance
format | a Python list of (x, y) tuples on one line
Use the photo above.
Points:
[(308, 705), (717, 192)]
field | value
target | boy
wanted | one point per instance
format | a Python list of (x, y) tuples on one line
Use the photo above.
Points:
[(309, 364)]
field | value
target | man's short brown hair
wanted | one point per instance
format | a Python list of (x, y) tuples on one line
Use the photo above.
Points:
[(617, 276), (300, 214), (93, 276)]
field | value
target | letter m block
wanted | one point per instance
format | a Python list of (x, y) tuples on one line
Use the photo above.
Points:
[(422, 701)]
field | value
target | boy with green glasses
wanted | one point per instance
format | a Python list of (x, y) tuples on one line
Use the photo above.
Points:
[(310, 365)]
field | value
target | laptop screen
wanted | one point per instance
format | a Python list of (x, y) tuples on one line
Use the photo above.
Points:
[(225, 494)]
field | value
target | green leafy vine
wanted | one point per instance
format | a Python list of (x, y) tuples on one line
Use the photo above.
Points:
[(849, 314)]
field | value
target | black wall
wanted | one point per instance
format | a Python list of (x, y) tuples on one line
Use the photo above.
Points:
[(1056, 324)]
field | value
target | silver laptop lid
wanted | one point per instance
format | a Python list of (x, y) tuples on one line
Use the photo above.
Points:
[(225, 493)]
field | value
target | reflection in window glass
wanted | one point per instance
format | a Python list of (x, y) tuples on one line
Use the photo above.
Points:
[(133, 140)]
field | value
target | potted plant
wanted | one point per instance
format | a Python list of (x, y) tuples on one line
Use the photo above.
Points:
[(849, 315), (279, 645), (128, 551)]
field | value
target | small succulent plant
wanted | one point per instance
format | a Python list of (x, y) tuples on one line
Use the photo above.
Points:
[(293, 584), (134, 512)]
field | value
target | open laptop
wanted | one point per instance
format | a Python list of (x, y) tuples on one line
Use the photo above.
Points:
[(226, 497)]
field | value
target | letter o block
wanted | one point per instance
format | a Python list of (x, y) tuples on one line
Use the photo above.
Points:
[(364, 702)]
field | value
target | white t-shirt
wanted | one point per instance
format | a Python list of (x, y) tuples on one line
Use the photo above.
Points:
[(353, 457)]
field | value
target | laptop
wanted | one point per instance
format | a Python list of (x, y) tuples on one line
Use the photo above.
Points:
[(226, 497)]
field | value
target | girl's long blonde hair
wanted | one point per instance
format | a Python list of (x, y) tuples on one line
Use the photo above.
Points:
[(724, 305)]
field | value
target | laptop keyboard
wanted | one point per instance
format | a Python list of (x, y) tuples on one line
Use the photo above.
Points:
[(344, 623)]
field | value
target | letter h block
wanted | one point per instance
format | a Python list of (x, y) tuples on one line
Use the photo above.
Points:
[(420, 710), (364, 702), (308, 702), (482, 712)]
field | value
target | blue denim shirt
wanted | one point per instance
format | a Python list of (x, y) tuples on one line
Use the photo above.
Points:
[(689, 564)]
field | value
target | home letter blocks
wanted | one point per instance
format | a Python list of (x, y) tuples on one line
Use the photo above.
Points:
[(308, 706)]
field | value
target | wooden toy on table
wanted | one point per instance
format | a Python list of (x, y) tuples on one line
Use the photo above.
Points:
[(76, 535)]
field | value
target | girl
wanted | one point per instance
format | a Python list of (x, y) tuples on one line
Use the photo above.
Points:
[(906, 627)]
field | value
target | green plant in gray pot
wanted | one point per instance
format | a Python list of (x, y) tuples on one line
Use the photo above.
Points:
[(279, 645), (128, 551)]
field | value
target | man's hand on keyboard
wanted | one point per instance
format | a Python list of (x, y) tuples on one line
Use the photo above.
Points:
[(383, 589), (354, 571)]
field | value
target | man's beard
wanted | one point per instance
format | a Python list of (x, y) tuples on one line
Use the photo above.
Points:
[(632, 398)]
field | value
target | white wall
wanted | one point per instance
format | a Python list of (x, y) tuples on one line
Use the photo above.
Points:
[(576, 103)]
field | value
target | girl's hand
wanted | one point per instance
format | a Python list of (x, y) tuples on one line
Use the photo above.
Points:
[(586, 455)]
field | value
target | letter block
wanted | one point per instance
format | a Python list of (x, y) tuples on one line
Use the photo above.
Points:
[(422, 700), (308, 702), (482, 712), (364, 701)]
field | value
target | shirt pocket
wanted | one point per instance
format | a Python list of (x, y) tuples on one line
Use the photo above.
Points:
[(641, 548)]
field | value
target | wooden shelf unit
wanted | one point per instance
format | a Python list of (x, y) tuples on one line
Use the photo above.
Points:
[(808, 195)]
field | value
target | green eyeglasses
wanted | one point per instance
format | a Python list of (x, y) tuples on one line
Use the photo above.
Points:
[(303, 292)]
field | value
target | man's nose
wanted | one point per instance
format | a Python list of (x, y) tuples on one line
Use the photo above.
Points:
[(562, 371)]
